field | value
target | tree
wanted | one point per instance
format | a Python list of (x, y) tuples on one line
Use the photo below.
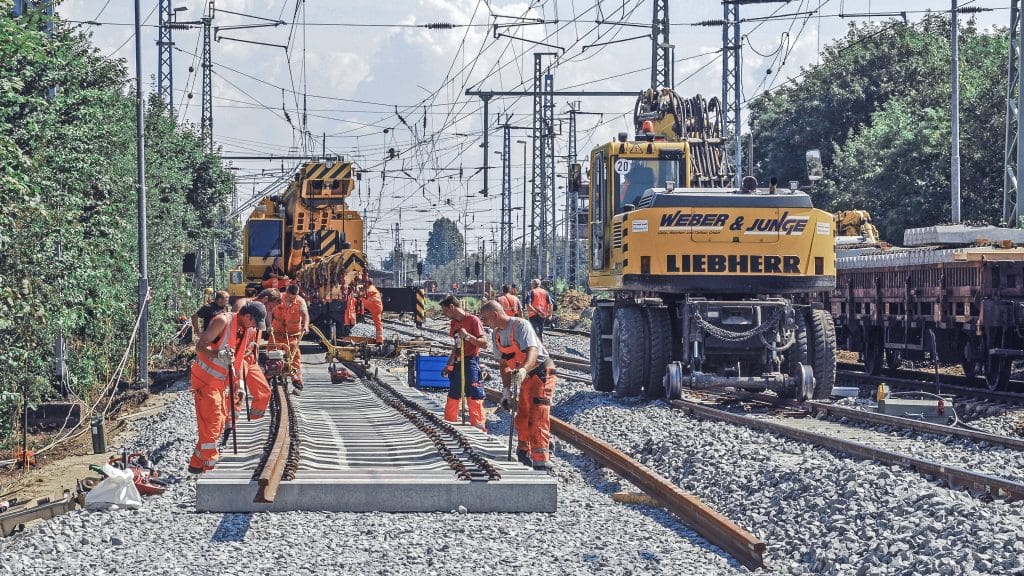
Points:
[(445, 242), (878, 109)]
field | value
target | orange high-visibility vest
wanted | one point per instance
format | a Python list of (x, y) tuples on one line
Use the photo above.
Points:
[(228, 340), (510, 304), (287, 319), (540, 303)]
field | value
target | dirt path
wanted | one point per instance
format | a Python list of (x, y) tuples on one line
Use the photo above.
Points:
[(66, 464)]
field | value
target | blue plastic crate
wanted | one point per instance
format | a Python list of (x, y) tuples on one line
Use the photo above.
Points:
[(428, 371)]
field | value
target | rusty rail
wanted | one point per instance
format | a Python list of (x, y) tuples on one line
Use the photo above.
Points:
[(954, 477), (719, 530), (273, 471)]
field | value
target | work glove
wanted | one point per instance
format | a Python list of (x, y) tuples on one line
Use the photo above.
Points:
[(225, 357), (507, 399), (518, 376)]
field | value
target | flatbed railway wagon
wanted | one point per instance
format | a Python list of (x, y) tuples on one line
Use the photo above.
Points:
[(952, 293)]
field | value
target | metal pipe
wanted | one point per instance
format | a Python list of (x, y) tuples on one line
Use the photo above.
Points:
[(140, 165), (954, 175)]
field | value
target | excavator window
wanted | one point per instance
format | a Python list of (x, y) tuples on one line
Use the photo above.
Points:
[(633, 176)]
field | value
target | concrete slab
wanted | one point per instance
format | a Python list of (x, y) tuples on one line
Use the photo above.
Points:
[(359, 455)]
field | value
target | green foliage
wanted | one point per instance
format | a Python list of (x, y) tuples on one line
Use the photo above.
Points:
[(445, 242), (878, 109), (68, 210)]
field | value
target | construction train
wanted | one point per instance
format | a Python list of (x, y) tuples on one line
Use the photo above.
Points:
[(319, 240), (951, 294), (709, 284)]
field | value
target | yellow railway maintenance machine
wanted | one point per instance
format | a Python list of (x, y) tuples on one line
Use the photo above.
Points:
[(708, 283), (319, 239)]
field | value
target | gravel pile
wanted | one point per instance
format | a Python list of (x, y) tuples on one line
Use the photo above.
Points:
[(589, 534), (817, 512)]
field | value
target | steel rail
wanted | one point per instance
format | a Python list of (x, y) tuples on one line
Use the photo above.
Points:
[(954, 477), (917, 425), (947, 383), (746, 548), (273, 471)]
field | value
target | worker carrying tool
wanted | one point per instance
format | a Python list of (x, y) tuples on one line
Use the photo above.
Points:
[(510, 302), (219, 350), (374, 304), (463, 367), (288, 325), (524, 364), (256, 383), (539, 306)]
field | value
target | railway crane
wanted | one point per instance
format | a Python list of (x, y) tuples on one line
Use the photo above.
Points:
[(319, 239)]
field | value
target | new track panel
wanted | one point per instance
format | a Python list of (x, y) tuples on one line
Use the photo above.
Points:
[(357, 453)]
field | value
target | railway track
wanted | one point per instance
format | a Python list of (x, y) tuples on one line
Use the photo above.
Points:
[(281, 455), (980, 484), (738, 542), (836, 437)]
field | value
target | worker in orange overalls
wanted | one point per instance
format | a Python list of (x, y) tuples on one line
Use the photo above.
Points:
[(256, 383), (274, 276), (374, 304), (525, 363), (539, 306), (467, 330), (351, 310), (509, 302), (288, 325), (222, 345)]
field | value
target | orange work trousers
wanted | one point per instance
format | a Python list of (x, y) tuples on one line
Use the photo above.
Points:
[(533, 416), (209, 398), (376, 309), (476, 412), (258, 387)]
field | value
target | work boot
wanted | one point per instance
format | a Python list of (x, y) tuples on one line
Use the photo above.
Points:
[(524, 458), (193, 470), (542, 466)]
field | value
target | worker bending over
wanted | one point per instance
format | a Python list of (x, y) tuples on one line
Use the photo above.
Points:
[(467, 330), (256, 383), (288, 325), (510, 302), (374, 304), (525, 364), (539, 306), (219, 352)]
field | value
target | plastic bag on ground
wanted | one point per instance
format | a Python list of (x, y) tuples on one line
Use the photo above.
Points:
[(117, 490)]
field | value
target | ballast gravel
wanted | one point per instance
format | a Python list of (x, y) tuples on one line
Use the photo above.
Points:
[(818, 513), (590, 533)]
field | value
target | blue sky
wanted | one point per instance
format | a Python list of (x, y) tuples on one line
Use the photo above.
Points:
[(357, 60)]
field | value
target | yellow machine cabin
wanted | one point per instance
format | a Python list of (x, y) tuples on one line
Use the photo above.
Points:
[(703, 278), (309, 223)]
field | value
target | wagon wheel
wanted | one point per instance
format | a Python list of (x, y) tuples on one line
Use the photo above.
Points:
[(874, 354), (997, 372), (969, 358), (893, 359)]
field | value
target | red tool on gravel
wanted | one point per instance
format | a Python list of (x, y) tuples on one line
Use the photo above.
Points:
[(146, 476)]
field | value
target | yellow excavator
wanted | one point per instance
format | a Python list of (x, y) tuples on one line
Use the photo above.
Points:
[(707, 284)]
